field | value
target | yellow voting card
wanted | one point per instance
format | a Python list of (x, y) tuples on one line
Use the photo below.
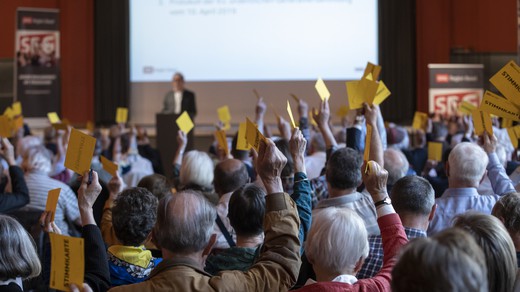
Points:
[(222, 140), (60, 126), (435, 151), (184, 122), (419, 120), (53, 118), (67, 261), (367, 89), (241, 138), (52, 201), (342, 111), (514, 135), (355, 100), (368, 139), (466, 108), (382, 93), (17, 108), (506, 123), (507, 80), (322, 90), (289, 111), (372, 69), (253, 135), (223, 114), (481, 122), (9, 112), (499, 106), (5, 127), (79, 152), (109, 166), (121, 115)]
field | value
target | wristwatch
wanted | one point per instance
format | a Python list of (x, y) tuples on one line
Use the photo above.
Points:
[(385, 201)]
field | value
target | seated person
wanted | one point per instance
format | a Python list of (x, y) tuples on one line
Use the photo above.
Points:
[(449, 261), (507, 210), (246, 215), (133, 216), (337, 242), (183, 231), (499, 250)]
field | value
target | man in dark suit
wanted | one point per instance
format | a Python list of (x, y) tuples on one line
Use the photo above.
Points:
[(178, 100)]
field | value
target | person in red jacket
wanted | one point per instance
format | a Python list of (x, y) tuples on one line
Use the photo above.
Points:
[(337, 261)]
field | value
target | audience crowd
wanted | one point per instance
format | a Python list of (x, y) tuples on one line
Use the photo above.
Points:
[(310, 210)]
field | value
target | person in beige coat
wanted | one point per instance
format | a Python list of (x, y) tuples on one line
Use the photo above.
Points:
[(184, 233)]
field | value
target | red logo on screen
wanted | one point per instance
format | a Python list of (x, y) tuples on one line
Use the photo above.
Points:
[(448, 103), (442, 78), (27, 20)]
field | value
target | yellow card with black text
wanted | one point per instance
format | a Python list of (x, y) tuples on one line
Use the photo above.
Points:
[(482, 121), (466, 108), (184, 122), (79, 152), (67, 261), (253, 135), (507, 80), (514, 135), (435, 151), (499, 106)]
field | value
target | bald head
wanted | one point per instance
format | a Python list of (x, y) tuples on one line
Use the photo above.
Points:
[(396, 164), (184, 222), (229, 175)]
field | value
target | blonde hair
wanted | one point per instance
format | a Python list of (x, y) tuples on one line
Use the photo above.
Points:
[(18, 256)]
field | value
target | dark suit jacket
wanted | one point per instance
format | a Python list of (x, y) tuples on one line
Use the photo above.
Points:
[(187, 103)]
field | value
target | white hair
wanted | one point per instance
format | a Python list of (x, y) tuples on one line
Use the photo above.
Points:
[(197, 168), (468, 163), (337, 240), (37, 158), (28, 142), (396, 164)]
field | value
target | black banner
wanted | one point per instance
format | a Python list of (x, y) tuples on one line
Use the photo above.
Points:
[(38, 61)]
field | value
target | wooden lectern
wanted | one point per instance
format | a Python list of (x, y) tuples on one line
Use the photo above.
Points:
[(166, 137)]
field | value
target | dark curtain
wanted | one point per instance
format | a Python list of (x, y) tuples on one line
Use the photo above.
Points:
[(111, 59), (397, 48)]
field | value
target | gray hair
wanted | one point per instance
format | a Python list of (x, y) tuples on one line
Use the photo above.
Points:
[(196, 169), (507, 210), (184, 222), (396, 164), (497, 245), (467, 163), (414, 195), (449, 261), (17, 251), (337, 240), (37, 158)]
